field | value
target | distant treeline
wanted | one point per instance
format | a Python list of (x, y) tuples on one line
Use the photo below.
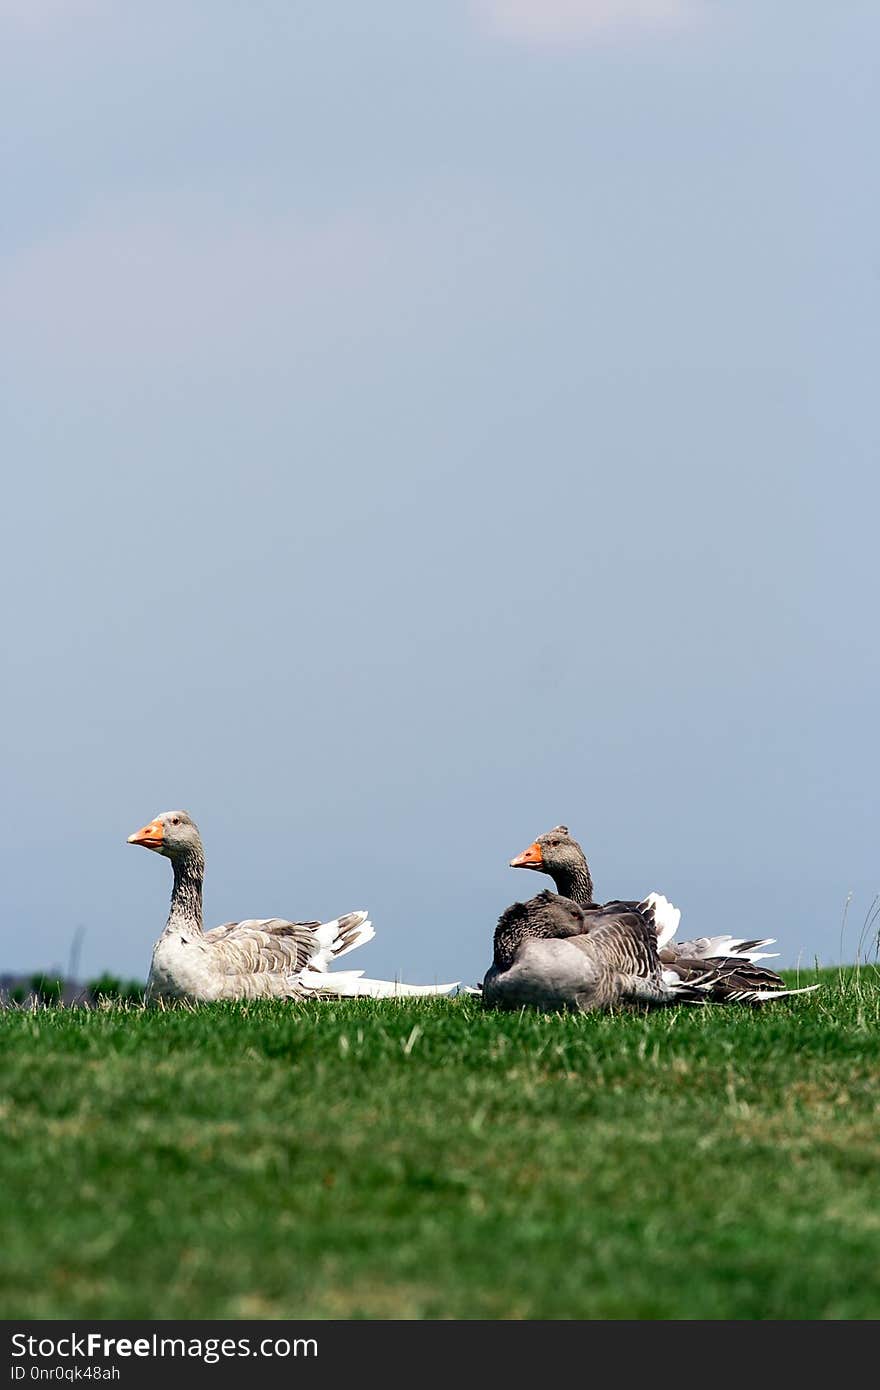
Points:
[(48, 988)]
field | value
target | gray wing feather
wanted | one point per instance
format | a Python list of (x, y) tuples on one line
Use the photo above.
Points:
[(259, 946)]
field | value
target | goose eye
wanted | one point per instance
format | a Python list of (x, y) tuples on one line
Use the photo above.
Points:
[(175, 820)]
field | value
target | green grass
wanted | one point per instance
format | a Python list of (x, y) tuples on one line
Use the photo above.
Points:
[(430, 1160)]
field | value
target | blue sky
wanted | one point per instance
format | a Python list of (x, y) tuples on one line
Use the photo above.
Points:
[(427, 424)]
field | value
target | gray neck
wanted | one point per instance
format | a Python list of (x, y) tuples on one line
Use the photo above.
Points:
[(186, 896), (508, 939), (540, 918), (576, 884)]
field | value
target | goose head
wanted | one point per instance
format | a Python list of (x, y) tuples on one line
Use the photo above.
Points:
[(173, 833), (552, 853)]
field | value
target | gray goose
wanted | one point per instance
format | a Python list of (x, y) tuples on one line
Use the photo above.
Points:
[(549, 954), (563, 950), (256, 959)]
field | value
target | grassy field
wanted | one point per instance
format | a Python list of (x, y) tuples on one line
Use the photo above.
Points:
[(429, 1160)]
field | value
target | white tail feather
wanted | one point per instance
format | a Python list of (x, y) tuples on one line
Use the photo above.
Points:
[(336, 939), (730, 946), (340, 936), (667, 918), (758, 996), (351, 984), (706, 983)]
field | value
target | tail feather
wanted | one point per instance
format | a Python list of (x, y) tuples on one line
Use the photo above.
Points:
[(667, 918), (761, 996), (713, 969), (728, 981), (351, 984), (730, 947), (684, 991), (337, 938), (340, 936)]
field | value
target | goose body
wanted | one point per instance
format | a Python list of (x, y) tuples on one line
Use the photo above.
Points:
[(564, 951), (550, 955), (256, 959), (266, 958)]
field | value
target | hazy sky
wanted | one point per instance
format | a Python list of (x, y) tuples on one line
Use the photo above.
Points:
[(424, 424)]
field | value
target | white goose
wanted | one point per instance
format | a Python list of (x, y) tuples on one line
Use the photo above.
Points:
[(257, 959)]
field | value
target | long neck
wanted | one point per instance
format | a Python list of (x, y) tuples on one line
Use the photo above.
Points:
[(508, 939), (515, 926), (575, 882), (186, 896), (541, 918)]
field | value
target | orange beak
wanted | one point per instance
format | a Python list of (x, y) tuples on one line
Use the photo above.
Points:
[(150, 836), (531, 858)]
